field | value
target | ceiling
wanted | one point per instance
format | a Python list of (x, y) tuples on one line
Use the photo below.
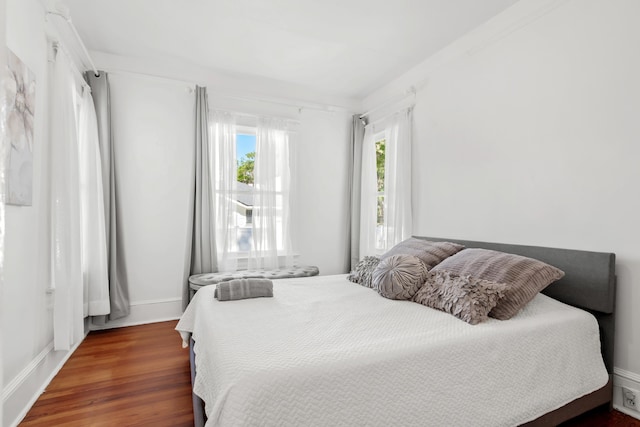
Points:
[(341, 47)]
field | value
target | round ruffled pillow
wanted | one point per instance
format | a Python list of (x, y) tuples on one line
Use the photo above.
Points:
[(399, 277)]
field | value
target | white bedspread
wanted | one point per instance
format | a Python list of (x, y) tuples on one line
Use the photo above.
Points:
[(327, 352)]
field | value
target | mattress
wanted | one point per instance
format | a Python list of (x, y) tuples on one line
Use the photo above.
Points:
[(325, 351)]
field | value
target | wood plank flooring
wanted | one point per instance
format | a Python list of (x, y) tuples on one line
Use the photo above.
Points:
[(121, 377), (602, 417), (139, 376)]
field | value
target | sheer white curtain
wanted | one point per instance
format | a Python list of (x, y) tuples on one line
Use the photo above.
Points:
[(223, 161), (396, 198), (368, 195), (397, 179), (95, 270), (79, 272), (271, 217), (66, 238)]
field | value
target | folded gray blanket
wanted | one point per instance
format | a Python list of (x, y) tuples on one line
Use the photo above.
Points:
[(243, 288)]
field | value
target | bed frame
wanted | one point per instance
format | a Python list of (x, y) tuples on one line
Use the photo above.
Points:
[(589, 283)]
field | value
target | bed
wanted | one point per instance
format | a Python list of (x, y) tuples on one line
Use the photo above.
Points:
[(325, 351)]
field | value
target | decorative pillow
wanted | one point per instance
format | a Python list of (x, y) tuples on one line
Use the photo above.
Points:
[(468, 298), (362, 273), (430, 253), (524, 277), (399, 277)]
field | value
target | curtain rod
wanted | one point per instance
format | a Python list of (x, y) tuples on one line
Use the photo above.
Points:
[(255, 116), (386, 116), (67, 19), (190, 85), (300, 106), (57, 47), (411, 91)]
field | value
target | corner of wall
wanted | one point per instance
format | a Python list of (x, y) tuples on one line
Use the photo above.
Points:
[(143, 312), (622, 378)]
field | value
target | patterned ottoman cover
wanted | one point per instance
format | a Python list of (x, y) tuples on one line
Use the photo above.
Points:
[(199, 280)]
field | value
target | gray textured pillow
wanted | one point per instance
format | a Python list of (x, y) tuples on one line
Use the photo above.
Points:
[(399, 277), (468, 298), (362, 273), (524, 277), (430, 253)]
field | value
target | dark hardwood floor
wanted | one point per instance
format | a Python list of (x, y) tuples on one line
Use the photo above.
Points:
[(121, 377), (139, 376), (602, 417)]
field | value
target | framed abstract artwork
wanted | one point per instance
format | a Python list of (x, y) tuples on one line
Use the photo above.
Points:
[(20, 98)]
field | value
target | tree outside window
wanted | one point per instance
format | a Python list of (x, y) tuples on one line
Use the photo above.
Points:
[(245, 168), (380, 157), (244, 199)]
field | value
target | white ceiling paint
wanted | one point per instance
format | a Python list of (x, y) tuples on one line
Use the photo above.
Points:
[(342, 47)]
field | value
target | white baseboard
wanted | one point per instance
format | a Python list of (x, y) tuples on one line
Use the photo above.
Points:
[(143, 312), (23, 391), (622, 378)]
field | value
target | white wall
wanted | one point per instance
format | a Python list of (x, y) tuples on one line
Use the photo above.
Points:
[(27, 359), (323, 197), (153, 133), (153, 121), (24, 295), (322, 146), (527, 132), (3, 64)]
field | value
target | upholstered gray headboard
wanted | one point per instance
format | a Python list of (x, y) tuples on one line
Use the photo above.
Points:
[(589, 282)]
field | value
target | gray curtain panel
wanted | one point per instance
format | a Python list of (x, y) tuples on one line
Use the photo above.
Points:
[(204, 258), (357, 137), (118, 287)]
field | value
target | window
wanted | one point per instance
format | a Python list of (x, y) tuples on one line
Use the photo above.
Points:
[(244, 200), (380, 158), (251, 185), (385, 185)]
